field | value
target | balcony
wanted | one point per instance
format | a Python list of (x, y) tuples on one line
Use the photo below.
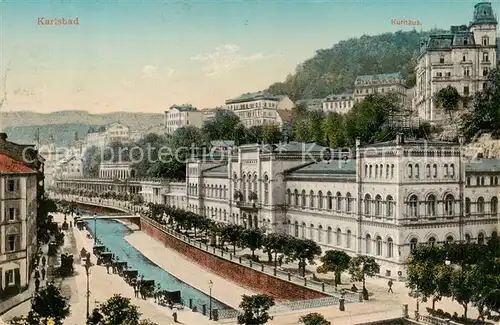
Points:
[(248, 205)]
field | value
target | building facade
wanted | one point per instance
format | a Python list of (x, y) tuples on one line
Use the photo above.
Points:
[(117, 132), (338, 103), (382, 84), (461, 58), (179, 116), (259, 108), (21, 182), (71, 167), (116, 170)]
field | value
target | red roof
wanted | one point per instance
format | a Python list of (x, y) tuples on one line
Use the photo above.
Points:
[(12, 166)]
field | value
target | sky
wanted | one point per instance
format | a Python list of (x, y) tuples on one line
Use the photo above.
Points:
[(144, 56)]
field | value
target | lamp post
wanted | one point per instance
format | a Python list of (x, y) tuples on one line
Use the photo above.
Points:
[(87, 266), (95, 228), (210, 285)]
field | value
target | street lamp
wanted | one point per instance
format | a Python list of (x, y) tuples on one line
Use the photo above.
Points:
[(210, 286), (95, 228), (87, 266)]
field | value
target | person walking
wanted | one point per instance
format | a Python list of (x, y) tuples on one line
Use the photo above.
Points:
[(37, 284), (174, 314), (43, 273), (44, 261), (390, 286)]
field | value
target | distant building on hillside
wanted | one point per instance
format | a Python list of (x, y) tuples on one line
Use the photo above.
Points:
[(461, 58), (382, 84), (179, 116), (212, 114), (117, 132), (259, 108), (338, 103), (70, 167)]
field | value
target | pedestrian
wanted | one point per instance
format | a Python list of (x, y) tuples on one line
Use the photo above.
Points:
[(107, 267), (390, 286), (174, 314), (43, 273), (37, 273), (70, 225), (37, 284), (44, 260)]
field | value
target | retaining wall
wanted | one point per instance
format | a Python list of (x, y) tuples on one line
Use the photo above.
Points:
[(244, 276)]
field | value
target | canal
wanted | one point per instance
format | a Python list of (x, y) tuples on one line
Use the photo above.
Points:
[(112, 234)]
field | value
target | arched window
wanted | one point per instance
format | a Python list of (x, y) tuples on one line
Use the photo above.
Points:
[(390, 247), (467, 238), (378, 205), (494, 205), (320, 200), (431, 205), (410, 170), (413, 244), (255, 183), (428, 170), (482, 181), (370, 171), (434, 170), (495, 180), (311, 231), (432, 241), (320, 233), (348, 201), (390, 206), (485, 57), (452, 170), (303, 199), (480, 206), (303, 230), (467, 206), (417, 171), (468, 181), (368, 244), (376, 170), (329, 200), (366, 170), (413, 206), (266, 189), (392, 171), (296, 196), (296, 229), (387, 171), (480, 238), (311, 199), (379, 245), (381, 170), (367, 204), (449, 239), (338, 200), (449, 203), (244, 187), (339, 237), (478, 181), (348, 239), (329, 235), (494, 235), (289, 197), (446, 170)]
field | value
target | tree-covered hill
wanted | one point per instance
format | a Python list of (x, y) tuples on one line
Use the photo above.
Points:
[(333, 71)]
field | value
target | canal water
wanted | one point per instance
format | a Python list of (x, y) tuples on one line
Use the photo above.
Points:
[(112, 234)]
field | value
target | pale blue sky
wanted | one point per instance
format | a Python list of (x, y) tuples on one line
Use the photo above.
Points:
[(148, 55)]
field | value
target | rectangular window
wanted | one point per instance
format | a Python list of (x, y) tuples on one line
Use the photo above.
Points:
[(441, 59), (11, 243), (11, 185), (466, 90), (9, 277), (12, 214), (484, 85)]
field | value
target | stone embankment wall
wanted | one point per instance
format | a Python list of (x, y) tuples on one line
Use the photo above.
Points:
[(98, 209), (243, 276)]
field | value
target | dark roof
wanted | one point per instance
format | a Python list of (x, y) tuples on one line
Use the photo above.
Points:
[(339, 97), (183, 108), (254, 96), (377, 79), (483, 14), (483, 165), (331, 167), (216, 170), (411, 142)]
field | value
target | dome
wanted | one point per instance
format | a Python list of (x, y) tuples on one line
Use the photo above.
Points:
[(483, 14)]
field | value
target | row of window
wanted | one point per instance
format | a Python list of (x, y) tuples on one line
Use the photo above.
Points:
[(413, 171), (486, 57), (449, 239), (480, 181)]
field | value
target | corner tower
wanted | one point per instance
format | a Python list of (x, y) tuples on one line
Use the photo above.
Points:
[(484, 26)]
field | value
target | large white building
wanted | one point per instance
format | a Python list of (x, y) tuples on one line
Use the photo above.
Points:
[(179, 116), (381, 200), (117, 132), (338, 103), (18, 211), (382, 84), (461, 58), (259, 108)]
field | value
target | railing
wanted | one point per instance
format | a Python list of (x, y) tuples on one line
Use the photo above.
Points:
[(436, 321), (286, 276)]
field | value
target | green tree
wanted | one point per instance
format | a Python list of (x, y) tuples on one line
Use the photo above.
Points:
[(275, 243), (252, 238), (314, 319), (362, 266), (302, 250), (462, 286), (49, 302), (255, 309), (336, 262), (448, 99), (119, 310), (91, 162), (334, 131)]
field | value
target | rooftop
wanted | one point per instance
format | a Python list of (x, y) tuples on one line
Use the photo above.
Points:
[(483, 165), (328, 167), (411, 142), (483, 14), (254, 96), (8, 165), (339, 97), (183, 108), (216, 170), (285, 115), (383, 78)]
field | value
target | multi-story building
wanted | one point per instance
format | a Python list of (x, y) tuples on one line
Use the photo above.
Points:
[(259, 108), (461, 58), (338, 103), (179, 116), (95, 138), (381, 83), (70, 167), (51, 155), (116, 170), (21, 182), (117, 132), (311, 104)]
